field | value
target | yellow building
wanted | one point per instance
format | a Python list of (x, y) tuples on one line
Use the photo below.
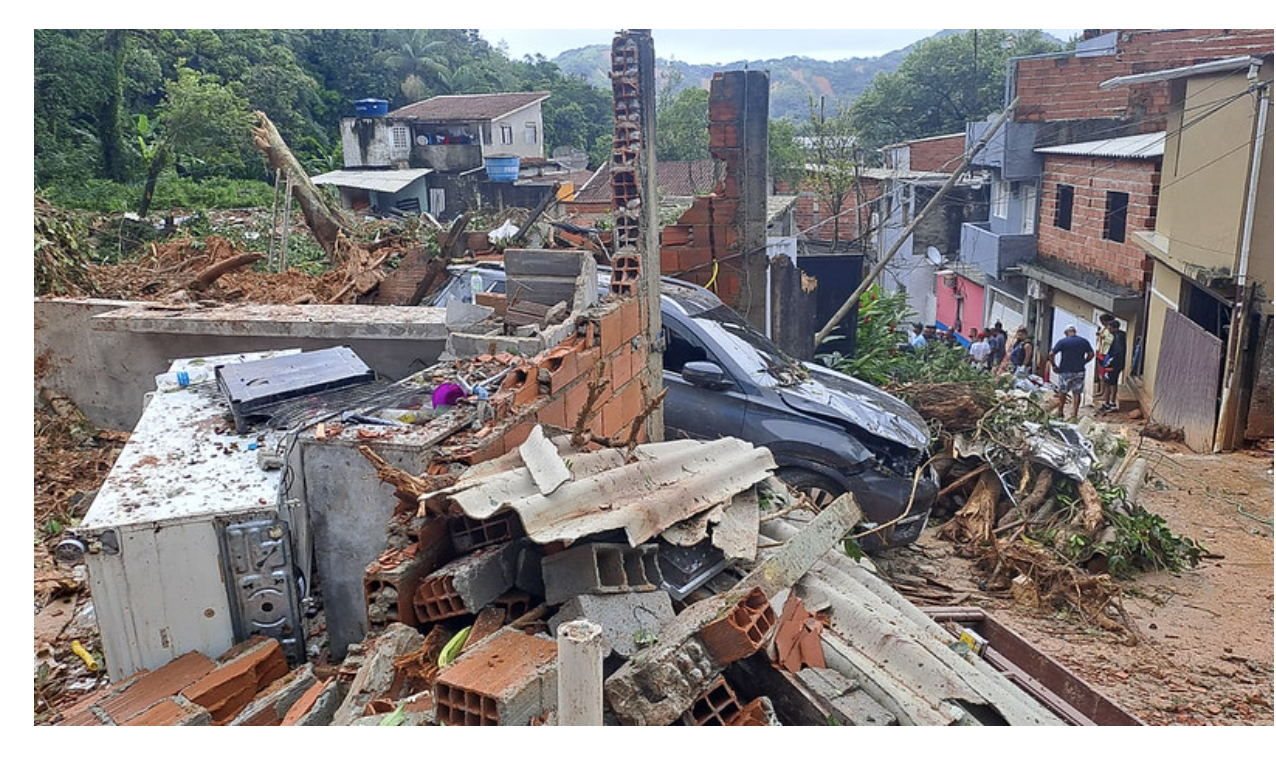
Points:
[(1205, 364)]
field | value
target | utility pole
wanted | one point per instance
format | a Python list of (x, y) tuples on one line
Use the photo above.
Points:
[(899, 241)]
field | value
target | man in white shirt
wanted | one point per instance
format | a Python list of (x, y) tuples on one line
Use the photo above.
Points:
[(979, 350)]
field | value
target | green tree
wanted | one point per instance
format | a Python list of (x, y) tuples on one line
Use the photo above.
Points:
[(942, 83), (784, 154), (832, 163), (682, 126)]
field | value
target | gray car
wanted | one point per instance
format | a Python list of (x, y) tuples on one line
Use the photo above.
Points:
[(829, 433)]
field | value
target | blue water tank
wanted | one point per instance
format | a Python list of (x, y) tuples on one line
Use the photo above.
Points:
[(367, 108), (502, 168)]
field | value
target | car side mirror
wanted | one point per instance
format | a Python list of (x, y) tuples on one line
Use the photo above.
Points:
[(701, 373)]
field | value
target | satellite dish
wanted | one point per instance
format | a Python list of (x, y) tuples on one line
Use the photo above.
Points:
[(933, 256)]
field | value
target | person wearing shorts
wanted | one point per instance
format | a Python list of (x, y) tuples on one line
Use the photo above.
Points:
[(1068, 357)]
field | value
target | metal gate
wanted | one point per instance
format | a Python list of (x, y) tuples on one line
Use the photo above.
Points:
[(1187, 374)]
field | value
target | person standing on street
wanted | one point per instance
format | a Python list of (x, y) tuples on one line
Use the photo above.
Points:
[(1020, 355), (1113, 365), (996, 347), (1068, 357), (1102, 340), (979, 350)]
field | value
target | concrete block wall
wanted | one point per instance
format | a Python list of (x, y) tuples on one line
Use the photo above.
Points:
[(1067, 88), (1083, 245)]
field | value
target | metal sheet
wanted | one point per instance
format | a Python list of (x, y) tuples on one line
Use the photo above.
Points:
[(1187, 381)]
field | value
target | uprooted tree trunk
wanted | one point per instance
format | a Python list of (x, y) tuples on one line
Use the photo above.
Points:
[(326, 223)]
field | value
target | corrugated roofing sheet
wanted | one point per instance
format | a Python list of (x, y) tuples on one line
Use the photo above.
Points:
[(383, 180), (1136, 146)]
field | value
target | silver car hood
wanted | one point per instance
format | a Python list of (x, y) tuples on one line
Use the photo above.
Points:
[(837, 396)]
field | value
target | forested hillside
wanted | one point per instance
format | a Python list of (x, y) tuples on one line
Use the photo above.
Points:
[(113, 106)]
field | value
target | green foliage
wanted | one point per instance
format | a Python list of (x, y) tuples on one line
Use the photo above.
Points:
[(207, 124), (784, 156), (883, 358), (1143, 541), (172, 192), (941, 85), (63, 251), (832, 161)]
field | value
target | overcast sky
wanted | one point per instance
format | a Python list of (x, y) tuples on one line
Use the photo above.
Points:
[(719, 46)]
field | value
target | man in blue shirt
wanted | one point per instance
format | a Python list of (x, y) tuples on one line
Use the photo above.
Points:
[(917, 340), (1068, 357)]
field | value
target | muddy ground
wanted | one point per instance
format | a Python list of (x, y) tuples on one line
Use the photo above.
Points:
[(1204, 648)]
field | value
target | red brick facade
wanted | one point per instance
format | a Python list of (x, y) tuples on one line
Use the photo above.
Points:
[(1083, 245), (1067, 88), (936, 154)]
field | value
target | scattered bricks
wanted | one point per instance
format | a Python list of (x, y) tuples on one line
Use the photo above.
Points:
[(389, 583), (245, 670), (495, 301), (797, 637), (376, 674), (174, 711), (307, 703), (509, 679), (757, 713), (629, 621), (272, 704), (471, 534), (467, 584), (488, 622), (741, 631), (717, 706), (139, 694), (599, 567), (514, 604)]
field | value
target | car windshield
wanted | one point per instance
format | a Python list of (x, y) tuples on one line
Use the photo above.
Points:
[(758, 355)]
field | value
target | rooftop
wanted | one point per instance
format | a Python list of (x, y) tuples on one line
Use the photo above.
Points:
[(469, 107), (1149, 145)]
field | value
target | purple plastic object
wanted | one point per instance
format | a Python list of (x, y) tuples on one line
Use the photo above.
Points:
[(446, 393)]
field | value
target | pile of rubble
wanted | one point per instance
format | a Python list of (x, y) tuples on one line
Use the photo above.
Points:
[(677, 583)]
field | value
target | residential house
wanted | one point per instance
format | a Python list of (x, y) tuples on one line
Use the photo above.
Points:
[(1207, 352), (1061, 107), (388, 155), (1093, 195), (923, 265)]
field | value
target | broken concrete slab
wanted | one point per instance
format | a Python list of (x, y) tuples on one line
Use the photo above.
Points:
[(376, 674), (272, 704), (629, 621), (541, 457), (467, 584)]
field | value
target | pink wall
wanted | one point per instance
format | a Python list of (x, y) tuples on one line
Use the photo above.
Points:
[(972, 304)]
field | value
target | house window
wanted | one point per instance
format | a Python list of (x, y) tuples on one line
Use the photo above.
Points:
[(507, 134), (399, 137), (487, 134), (1063, 207), (1000, 199), (1114, 216), (1029, 220), (529, 134)]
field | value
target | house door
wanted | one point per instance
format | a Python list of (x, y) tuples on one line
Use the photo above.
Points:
[(1187, 381), (1086, 330)]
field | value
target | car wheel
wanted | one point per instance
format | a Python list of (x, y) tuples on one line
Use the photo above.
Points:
[(819, 489)]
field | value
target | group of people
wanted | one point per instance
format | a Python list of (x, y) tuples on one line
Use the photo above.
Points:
[(989, 350), (1070, 355)]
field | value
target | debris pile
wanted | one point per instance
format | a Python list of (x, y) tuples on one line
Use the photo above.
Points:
[(1048, 511)]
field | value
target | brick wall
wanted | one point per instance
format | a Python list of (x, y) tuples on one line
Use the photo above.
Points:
[(936, 154), (1067, 88), (813, 224), (1083, 246)]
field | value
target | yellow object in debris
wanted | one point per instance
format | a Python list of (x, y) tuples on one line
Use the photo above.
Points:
[(84, 655)]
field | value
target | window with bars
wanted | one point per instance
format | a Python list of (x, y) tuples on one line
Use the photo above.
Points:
[(399, 137), (507, 134)]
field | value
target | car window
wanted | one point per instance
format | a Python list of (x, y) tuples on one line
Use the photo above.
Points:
[(679, 351), (765, 363)]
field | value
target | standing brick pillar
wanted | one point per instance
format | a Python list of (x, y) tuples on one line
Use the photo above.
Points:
[(636, 262)]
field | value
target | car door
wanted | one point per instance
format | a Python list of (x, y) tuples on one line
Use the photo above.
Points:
[(692, 411)]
